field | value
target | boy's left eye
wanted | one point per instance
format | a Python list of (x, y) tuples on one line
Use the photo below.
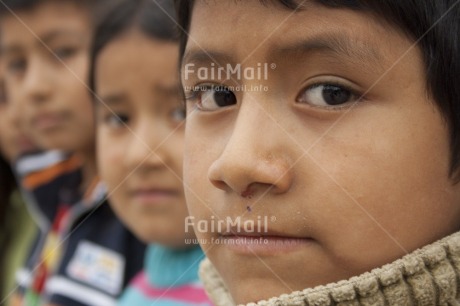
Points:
[(326, 95)]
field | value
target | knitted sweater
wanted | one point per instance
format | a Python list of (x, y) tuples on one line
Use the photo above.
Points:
[(429, 276)]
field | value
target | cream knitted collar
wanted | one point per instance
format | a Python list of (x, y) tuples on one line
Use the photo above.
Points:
[(429, 276)]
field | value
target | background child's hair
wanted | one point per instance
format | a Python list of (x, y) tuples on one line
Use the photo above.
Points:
[(9, 6), (7, 186), (433, 24), (156, 19)]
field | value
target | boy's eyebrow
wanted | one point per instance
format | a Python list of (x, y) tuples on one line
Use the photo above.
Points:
[(338, 44), (202, 57)]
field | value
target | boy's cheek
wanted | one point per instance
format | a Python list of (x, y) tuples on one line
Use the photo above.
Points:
[(382, 203)]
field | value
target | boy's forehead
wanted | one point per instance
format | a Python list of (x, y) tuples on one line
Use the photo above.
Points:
[(237, 33)]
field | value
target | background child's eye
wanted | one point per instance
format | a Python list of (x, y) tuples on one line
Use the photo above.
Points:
[(116, 121), (17, 65), (325, 95), (178, 115), (65, 52), (211, 98)]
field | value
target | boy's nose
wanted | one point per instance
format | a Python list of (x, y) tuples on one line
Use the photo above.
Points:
[(255, 158)]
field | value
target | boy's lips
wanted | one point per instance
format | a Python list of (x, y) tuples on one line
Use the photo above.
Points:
[(263, 243), (25, 145)]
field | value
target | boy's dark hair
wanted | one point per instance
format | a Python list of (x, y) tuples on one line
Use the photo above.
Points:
[(154, 18), (433, 24)]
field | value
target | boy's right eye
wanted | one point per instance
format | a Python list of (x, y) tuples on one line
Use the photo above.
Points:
[(211, 98)]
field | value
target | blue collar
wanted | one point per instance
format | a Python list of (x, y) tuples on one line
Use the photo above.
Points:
[(166, 267)]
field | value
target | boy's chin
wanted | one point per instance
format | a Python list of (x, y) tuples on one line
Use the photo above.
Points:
[(255, 290), (254, 279), (248, 283), (54, 141)]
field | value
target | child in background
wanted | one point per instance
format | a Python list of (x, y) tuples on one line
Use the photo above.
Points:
[(81, 255), (140, 118), (17, 228), (350, 146)]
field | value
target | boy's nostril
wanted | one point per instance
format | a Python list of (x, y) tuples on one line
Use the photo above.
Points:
[(248, 193), (220, 185)]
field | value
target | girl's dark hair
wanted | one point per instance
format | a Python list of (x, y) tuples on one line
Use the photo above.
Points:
[(154, 18), (433, 24)]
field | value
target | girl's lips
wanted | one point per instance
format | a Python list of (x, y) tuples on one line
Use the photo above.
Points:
[(153, 196), (264, 245)]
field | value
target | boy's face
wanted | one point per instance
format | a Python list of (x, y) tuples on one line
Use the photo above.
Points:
[(46, 58), (347, 183), (140, 136)]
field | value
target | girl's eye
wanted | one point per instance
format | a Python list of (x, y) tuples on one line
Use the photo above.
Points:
[(178, 115), (327, 95), (116, 121), (210, 98)]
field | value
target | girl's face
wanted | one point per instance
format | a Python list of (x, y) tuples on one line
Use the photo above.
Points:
[(140, 136), (341, 149)]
